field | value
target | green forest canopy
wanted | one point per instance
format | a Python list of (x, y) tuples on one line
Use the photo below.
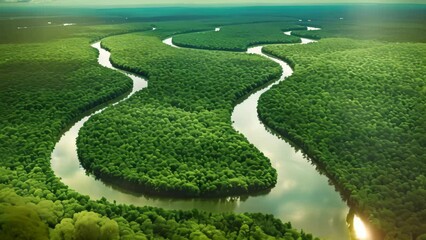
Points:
[(358, 109), (58, 78), (176, 137), (43, 74), (239, 37)]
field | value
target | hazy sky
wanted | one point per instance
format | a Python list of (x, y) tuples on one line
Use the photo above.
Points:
[(199, 2)]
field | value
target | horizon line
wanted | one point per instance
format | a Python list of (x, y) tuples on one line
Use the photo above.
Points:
[(192, 5)]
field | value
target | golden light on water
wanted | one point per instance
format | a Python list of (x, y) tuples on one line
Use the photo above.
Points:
[(361, 232)]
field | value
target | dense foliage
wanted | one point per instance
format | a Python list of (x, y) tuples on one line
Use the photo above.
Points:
[(52, 77), (239, 37), (395, 29), (358, 109), (175, 137), (45, 86), (35, 207), (57, 87)]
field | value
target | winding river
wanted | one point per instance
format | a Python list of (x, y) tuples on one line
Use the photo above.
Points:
[(302, 195)]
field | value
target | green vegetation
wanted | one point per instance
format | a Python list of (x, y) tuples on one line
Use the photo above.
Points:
[(41, 31), (34, 206), (239, 37), (46, 83), (393, 23), (370, 141), (175, 137), (58, 80), (395, 30), (358, 109)]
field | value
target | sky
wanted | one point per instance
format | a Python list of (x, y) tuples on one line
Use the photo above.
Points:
[(194, 2)]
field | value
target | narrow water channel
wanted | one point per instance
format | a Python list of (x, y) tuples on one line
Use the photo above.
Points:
[(301, 195)]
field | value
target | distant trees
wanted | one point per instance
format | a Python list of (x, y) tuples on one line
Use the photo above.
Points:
[(239, 37), (358, 109)]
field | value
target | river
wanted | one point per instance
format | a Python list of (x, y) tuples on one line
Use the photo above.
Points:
[(301, 195)]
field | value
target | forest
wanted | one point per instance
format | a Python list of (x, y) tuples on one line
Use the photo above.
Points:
[(384, 28), (176, 138), (239, 37), (46, 83), (36, 206), (357, 108)]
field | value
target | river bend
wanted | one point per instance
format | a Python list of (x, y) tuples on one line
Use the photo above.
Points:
[(301, 195)]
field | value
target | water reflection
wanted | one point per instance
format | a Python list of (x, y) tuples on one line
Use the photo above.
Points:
[(65, 164), (301, 195), (360, 230), (169, 41), (305, 40)]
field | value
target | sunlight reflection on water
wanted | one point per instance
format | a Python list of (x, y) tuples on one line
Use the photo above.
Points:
[(361, 232)]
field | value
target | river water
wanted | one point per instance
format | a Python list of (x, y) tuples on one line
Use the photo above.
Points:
[(301, 195)]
